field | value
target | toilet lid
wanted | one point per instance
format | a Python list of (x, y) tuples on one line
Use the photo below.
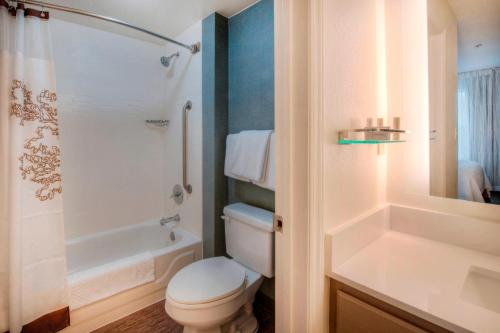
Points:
[(207, 280)]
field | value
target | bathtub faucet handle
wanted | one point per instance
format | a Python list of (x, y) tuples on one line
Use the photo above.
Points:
[(165, 220)]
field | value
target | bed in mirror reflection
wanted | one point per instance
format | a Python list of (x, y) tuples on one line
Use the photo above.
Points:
[(464, 101)]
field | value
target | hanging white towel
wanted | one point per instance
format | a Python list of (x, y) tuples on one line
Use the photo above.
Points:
[(230, 156), (246, 155), (268, 181)]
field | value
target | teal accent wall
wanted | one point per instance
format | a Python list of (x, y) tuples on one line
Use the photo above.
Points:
[(215, 129), (238, 94), (251, 87)]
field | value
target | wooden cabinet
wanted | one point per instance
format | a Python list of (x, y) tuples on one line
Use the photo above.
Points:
[(352, 311), (354, 315)]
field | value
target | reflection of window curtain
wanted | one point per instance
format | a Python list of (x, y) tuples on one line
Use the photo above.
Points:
[(476, 115)]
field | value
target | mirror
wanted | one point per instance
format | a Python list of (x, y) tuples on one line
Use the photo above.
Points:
[(464, 99)]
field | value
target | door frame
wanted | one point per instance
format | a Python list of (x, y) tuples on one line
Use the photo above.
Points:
[(301, 284), (437, 113)]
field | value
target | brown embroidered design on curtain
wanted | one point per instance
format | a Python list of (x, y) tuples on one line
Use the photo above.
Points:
[(39, 162)]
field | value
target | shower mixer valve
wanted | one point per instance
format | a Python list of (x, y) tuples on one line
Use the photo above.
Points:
[(177, 194)]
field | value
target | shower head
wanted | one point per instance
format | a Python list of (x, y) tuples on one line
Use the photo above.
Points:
[(165, 61)]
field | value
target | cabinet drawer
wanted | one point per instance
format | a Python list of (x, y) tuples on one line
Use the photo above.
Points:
[(353, 311), (356, 316)]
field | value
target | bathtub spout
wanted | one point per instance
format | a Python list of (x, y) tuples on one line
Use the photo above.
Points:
[(165, 220)]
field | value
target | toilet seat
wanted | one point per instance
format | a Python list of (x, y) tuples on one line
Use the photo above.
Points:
[(206, 281)]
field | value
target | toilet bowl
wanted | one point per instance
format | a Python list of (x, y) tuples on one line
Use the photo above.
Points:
[(216, 294), (212, 293)]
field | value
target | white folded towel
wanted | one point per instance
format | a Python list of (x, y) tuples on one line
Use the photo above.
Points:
[(268, 181), (107, 280), (246, 154)]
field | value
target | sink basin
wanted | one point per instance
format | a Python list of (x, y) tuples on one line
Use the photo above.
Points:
[(482, 288)]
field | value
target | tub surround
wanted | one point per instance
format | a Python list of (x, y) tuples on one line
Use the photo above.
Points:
[(107, 263), (102, 110), (117, 272), (104, 140), (439, 272)]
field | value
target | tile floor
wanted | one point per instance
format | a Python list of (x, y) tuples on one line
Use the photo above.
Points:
[(153, 319)]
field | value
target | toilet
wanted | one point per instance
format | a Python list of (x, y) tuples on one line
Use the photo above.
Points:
[(216, 294)]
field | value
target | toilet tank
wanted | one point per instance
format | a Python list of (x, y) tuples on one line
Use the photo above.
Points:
[(250, 237)]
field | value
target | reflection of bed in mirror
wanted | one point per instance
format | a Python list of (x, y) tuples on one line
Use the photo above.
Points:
[(464, 99), (473, 183)]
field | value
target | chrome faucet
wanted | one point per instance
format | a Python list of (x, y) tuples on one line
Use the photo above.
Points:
[(165, 220)]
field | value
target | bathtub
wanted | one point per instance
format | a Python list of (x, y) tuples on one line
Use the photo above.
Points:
[(114, 273)]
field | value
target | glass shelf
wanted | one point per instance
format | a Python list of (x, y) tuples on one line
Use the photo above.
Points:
[(371, 135), (367, 142)]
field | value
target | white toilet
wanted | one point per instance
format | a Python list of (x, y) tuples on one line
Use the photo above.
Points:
[(216, 294)]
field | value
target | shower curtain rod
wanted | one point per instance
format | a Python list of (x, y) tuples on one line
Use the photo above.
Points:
[(193, 48)]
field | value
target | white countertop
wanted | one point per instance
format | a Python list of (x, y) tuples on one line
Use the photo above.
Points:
[(430, 279)]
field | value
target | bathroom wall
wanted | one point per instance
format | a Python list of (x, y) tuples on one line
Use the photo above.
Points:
[(184, 82), (215, 129), (378, 60), (354, 175), (116, 170), (251, 86), (238, 94), (407, 87)]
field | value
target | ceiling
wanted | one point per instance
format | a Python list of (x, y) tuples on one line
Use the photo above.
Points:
[(166, 17), (478, 23)]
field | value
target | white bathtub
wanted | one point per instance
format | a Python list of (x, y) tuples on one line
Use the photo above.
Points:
[(109, 271)]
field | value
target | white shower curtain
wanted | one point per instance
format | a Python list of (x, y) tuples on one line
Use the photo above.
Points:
[(33, 287), (476, 120)]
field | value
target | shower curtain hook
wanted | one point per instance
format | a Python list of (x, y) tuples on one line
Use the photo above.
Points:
[(42, 14), (11, 6)]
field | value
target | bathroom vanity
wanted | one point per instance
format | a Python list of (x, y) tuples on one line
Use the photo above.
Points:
[(354, 311), (413, 224), (400, 269)]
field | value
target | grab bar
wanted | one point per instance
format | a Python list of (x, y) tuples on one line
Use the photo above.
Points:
[(185, 111)]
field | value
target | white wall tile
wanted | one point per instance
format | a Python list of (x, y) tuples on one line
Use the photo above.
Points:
[(184, 82), (116, 170)]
